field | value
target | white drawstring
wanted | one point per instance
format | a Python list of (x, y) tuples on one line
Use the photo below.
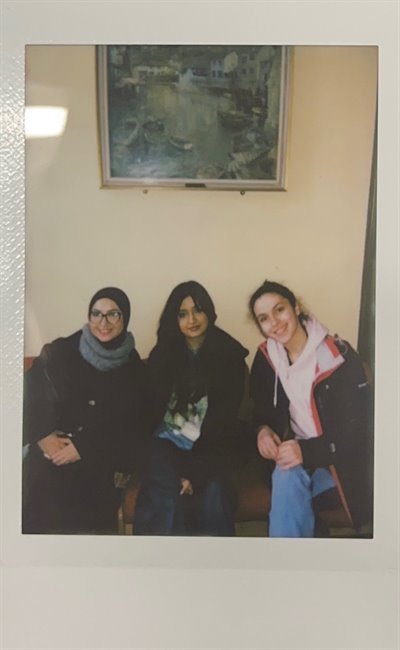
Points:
[(276, 389)]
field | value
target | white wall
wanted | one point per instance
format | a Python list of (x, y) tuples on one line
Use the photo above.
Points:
[(80, 237)]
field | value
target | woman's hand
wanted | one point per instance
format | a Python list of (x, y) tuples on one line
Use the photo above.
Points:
[(68, 454), (268, 443), (51, 444), (186, 487), (289, 455)]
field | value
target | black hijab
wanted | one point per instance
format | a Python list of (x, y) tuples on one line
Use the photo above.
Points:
[(122, 301)]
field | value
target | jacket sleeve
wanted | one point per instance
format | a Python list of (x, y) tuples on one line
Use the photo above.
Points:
[(346, 412), (137, 437), (316, 452), (344, 404), (40, 409), (159, 387)]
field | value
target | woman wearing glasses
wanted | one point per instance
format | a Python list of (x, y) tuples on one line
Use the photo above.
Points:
[(83, 419)]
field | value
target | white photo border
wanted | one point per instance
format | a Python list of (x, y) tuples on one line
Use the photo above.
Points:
[(359, 578)]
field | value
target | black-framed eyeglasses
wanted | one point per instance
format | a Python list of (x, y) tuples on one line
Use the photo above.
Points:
[(112, 317)]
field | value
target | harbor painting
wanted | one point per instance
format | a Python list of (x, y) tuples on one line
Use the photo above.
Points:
[(210, 116)]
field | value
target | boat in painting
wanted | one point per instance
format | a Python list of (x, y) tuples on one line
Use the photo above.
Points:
[(180, 143), (154, 131), (234, 119), (127, 133)]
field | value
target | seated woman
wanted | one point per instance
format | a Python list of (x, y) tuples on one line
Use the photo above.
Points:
[(312, 416), (83, 418), (197, 375)]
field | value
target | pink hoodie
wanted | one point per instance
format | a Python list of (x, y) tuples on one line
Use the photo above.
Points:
[(297, 379)]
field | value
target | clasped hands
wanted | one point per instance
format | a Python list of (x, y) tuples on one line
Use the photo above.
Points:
[(59, 450), (286, 454)]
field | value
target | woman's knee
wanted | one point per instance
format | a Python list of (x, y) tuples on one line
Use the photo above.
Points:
[(291, 479)]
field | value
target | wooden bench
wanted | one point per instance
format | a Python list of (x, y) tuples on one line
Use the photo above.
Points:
[(253, 506)]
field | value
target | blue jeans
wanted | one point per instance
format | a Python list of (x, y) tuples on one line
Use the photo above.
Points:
[(293, 491), (161, 510)]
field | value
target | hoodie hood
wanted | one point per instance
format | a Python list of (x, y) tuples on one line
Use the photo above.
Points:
[(298, 378)]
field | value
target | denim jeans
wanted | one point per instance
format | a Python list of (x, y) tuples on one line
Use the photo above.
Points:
[(293, 491), (161, 510)]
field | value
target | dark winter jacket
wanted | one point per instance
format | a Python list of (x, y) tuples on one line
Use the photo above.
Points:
[(221, 364), (103, 411), (343, 414)]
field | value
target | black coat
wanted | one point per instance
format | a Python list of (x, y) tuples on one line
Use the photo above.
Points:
[(221, 364), (104, 412), (344, 405)]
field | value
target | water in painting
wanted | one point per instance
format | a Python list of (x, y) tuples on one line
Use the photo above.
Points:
[(194, 112)]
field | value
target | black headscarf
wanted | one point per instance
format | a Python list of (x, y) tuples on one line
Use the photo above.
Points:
[(122, 301)]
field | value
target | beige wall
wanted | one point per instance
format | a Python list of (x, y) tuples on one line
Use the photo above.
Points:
[(80, 237)]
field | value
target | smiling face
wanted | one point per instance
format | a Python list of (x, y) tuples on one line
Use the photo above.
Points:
[(278, 320), (193, 323), (99, 326)]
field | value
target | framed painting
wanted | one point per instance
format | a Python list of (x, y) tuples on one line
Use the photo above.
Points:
[(193, 116)]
